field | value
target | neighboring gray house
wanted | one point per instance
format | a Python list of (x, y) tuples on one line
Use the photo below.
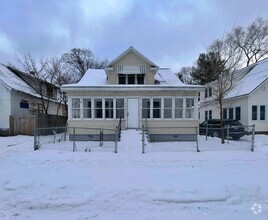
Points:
[(18, 98), (135, 89), (247, 101)]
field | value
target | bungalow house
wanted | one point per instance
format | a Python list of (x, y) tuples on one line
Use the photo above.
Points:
[(134, 89), (19, 98), (246, 101)]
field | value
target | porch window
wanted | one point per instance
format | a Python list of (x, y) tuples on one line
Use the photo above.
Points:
[(178, 107), (206, 115), (120, 108), (167, 108), (262, 112), (254, 112), (189, 108), (146, 112), (210, 114), (76, 108), (109, 108), (87, 108), (98, 108), (156, 108)]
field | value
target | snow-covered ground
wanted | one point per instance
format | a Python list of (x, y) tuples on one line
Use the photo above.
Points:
[(51, 184)]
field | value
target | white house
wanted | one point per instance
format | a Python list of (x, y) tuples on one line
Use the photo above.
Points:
[(247, 101), (18, 98), (135, 89)]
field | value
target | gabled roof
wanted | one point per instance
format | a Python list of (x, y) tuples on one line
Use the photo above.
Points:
[(13, 82), (132, 49), (251, 81)]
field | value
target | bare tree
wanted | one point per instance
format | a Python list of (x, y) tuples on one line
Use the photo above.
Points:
[(229, 62), (80, 60), (35, 77), (185, 75), (252, 41)]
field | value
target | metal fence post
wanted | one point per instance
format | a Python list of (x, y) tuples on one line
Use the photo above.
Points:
[(227, 134), (142, 140), (196, 132), (253, 138), (35, 140), (116, 139), (74, 147), (206, 131)]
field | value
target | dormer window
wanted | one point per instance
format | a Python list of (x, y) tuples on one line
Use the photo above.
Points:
[(130, 79)]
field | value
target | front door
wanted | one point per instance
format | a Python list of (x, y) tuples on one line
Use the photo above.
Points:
[(133, 113)]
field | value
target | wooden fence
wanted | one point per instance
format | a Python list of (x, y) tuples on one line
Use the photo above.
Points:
[(25, 125)]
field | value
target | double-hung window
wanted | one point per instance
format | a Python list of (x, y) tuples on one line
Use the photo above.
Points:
[(254, 112), (87, 108), (119, 108), (238, 113), (231, 113), (179, 108), (167, 108), (76, 108), (146, 111), (189, 113), (109, 108), (262, 112), (98, 108), (157, 108)]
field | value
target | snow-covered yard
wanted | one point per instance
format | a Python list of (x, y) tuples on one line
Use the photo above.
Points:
[(50, 184)]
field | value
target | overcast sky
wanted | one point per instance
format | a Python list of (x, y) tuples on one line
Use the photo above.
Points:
[(171, 33)]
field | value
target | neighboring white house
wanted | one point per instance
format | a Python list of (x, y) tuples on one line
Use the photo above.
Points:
[(18, 98), (134, 89), (247, 101)]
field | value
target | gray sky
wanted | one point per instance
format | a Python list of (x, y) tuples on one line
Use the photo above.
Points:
[(169, 32)]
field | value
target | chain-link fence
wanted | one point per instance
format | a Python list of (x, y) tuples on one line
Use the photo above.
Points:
[(76, 139), (198, 139)]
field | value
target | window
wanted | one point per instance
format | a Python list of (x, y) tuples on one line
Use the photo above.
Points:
[(178, 107), (98, 108), (109, 108), (254, 112), (189, 113), (225, 113), (262, 112), (87, 108), (156, 108), (24, 104), (210, 114), (209, 91), (140, 79), (50, 90), (168, 108), (131, 79), (206, 93), (238, 113), (231, 113), (121, 79), (146, 108), (76, 108), (120, 108), (206, 115)]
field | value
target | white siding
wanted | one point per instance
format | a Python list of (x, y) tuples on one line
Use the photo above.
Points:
[(259, 97), (5, 107)]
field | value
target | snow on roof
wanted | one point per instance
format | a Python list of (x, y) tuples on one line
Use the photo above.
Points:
[(12, 81), (251, 81), (167, 77), (97, 77)]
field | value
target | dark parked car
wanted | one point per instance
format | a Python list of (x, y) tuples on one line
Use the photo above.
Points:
[(212, 127)]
